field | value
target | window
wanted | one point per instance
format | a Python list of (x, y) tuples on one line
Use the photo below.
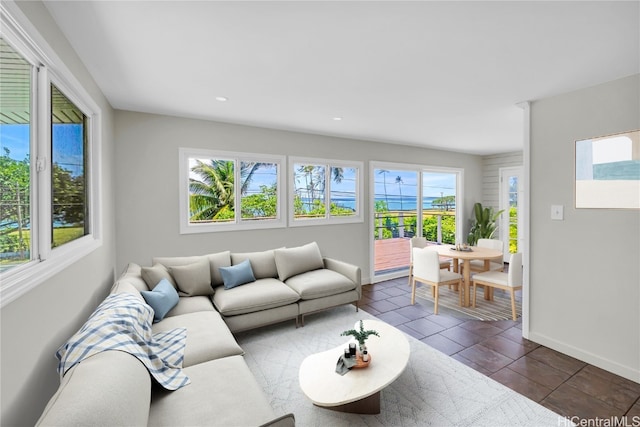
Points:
[(223, 191), (68, 177), (325, 191), (49, 197)]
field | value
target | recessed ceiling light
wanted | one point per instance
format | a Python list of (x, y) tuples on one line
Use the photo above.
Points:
[(337, 119), (221, 98)]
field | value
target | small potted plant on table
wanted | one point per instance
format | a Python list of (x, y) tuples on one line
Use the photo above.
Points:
[(361, 336)]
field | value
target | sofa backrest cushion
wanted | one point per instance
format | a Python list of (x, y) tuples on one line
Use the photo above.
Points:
[(132, 276), (153, 275), (216, 260), (193, 279), (293, 261), (263, 263), (162, 299)]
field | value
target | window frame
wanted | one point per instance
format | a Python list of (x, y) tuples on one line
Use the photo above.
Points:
[(358, 217), (49, 69), (186, 227)]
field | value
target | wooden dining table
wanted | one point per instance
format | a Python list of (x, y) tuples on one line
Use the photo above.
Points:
[(474, 252)]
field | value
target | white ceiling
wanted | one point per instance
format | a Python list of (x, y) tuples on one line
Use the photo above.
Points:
[(438, 74)]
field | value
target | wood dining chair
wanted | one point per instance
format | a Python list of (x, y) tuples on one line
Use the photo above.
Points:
[(511, 281), (426, 269)]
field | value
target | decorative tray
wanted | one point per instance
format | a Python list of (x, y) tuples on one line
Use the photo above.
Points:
[(361, 363), (462, 249)]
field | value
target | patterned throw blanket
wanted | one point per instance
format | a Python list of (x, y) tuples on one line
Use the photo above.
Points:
[(123, 322)]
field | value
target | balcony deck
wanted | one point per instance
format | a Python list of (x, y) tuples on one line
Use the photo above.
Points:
[(392, 254)]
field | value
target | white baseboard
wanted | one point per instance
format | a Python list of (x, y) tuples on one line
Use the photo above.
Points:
[(627, 372)]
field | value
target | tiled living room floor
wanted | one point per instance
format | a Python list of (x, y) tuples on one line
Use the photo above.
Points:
[(561, 383)]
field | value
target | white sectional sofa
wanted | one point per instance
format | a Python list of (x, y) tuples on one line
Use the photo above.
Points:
[(114, 388)]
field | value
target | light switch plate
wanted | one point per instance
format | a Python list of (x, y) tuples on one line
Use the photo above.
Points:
[(557, 212)]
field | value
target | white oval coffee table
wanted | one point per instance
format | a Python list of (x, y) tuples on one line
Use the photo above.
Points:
[(358, 390)]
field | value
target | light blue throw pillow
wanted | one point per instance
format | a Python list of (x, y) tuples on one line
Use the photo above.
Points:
[(237, 275), (162, 299)]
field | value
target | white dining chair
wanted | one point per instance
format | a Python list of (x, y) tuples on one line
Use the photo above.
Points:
[(495, 264), (426, 269), (510, 281), (421, 242)]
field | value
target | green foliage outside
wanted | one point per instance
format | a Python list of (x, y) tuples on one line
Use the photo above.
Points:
[(261, 205), (212, 196), (10, 242), (391, 222), (317, 209), (68, 204), (513, 230)]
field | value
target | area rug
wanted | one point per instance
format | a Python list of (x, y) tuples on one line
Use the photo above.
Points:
[(434, 390), (497, 309)]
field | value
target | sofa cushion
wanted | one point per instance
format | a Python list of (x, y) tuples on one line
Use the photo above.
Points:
[(292, 261), (222, 392), (191, 305), (162, 299), (153, 275), (193, 279), (259, 295), (320, 283), (111, 388), (237, 275), (208, 337), (263, 263), (216, 260)]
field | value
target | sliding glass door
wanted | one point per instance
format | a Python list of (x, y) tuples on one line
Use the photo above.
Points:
[(410, 201)]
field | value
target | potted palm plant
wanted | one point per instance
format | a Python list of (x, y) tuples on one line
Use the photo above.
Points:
[(484, 225)]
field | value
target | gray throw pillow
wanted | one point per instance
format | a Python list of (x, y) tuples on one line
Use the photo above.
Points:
[(153, 275), (193, 279), (293, 261), (262, 263)]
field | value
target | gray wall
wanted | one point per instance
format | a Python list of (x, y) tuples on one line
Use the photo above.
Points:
[(36, 324), (491, 175), (585, 274), (147, 186)]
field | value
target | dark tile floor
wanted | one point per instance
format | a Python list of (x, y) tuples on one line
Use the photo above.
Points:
[(561, 383)]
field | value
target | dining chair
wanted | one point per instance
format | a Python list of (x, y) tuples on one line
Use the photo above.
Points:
[(421, 242), (510, 281), (495, 264), (426, 269)]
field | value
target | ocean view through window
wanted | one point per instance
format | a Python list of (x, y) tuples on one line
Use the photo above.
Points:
[(325, 191)]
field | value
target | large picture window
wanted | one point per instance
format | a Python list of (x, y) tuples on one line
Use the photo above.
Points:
[(325, 191), (48, 194), (223, 191)]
